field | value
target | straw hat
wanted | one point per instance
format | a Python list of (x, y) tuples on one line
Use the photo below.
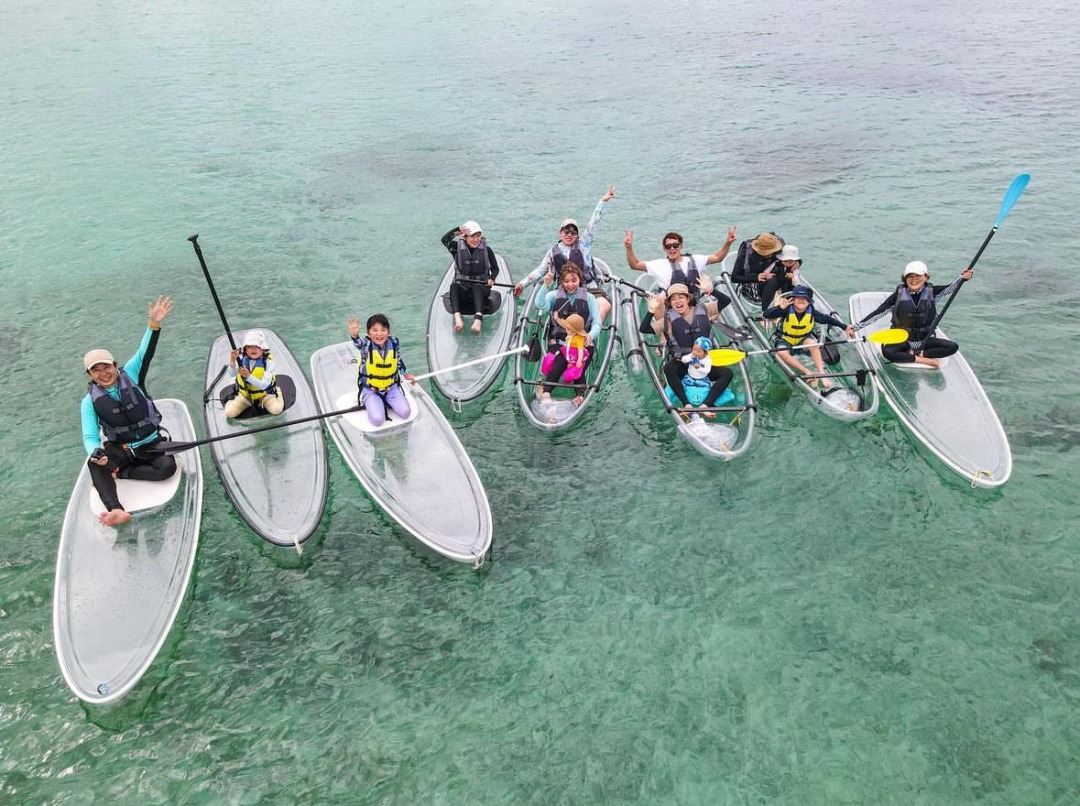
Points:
[(677, 288), (766, 244), (574, 325)]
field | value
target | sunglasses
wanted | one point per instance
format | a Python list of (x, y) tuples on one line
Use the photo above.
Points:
[(569, 230), (672, 245)]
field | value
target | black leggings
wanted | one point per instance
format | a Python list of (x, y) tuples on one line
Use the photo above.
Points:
[(129, 465), (931, 348), (675, 371), (463, 292)]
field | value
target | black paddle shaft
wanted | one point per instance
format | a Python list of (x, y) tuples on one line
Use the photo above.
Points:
[(213, 291), (952, 296), (165, 448)]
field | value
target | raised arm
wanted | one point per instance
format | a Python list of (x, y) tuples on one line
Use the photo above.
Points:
[(632, 260), (448, 240), (594, 220), (722, 252)]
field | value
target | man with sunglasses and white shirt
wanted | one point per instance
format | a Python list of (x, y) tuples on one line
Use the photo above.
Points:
[(576, 248), (676, 267)]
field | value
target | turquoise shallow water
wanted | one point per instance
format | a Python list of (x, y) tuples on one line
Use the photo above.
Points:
[(831, 619)]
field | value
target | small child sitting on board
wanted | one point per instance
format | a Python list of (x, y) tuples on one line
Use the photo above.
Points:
[(381, 369), (256, 381)]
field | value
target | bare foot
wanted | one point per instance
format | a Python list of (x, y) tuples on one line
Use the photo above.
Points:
[(114, 517), (578, 400), (476, 325), (710, 414), (458, 324), (930, 362), (541, 395)]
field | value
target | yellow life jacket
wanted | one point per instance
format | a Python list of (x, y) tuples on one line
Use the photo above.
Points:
[(381, 372), (257, 368), (794, 328)]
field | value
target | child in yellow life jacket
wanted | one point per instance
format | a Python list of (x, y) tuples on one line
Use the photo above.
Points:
[(381, 370), (253, 368), (796, 329)]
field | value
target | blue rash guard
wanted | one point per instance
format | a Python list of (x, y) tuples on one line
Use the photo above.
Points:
[(91, 428)]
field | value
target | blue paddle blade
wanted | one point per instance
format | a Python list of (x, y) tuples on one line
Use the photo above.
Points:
[(1011, 195)]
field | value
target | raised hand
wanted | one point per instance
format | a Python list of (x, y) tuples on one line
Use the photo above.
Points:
[(159, 309)]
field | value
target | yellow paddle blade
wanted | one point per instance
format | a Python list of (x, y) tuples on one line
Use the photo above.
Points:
[(894, 335), (726, 357)]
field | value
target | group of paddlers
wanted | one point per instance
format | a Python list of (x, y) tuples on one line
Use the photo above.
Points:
[(120, 424)]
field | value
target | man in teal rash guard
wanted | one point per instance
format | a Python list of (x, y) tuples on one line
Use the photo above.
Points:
[(117, 408)]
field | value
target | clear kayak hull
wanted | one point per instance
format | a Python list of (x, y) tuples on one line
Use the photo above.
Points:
[(417, 470), (850, 395), (726, 436), (945, 409), (446, 348), (558, 411), (277, 480), (118, 590)]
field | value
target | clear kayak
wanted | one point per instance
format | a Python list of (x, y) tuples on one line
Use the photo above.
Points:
[(118, 590), (843, 392), (945, 409), (416, 469), (446, 348), (725, 436), (277, 480), (558, 411)]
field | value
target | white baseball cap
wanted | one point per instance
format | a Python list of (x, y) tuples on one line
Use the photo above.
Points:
[(569, 222), (916, 267), (472, 227)]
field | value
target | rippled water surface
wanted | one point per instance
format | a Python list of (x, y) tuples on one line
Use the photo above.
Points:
[(830, 619)]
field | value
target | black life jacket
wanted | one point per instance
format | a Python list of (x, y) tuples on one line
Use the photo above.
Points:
[(472, 263), (688, 278), (749, 264), (681, 334), (132, 418), (915, 317), (564, 306), (558, 260)]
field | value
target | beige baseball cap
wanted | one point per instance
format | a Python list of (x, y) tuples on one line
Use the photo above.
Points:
[(97, 357)]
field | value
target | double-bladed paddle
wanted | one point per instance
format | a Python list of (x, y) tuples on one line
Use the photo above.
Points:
[(727, 356)]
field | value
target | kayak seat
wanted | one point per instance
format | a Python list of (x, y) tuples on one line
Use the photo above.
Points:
[(286, 388)]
